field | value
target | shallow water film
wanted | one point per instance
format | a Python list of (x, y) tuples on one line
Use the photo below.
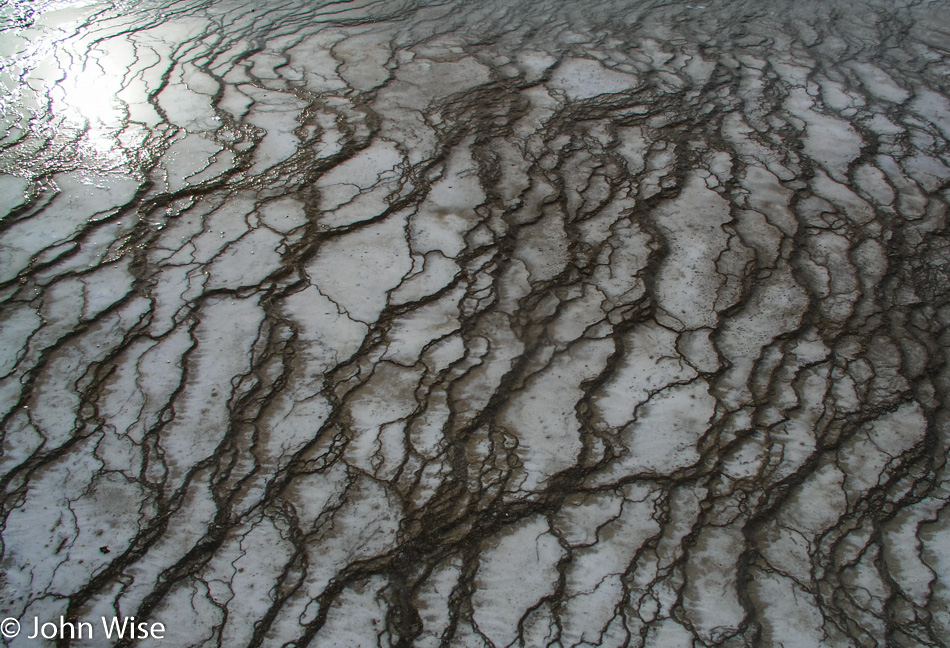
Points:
[(475, 324)]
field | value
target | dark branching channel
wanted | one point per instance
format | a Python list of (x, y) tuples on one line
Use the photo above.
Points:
[(476, 323)]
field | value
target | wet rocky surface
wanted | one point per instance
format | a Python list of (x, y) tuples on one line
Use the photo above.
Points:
[(405, 323)]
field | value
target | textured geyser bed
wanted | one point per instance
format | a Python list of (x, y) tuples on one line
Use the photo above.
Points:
[(477, 324)]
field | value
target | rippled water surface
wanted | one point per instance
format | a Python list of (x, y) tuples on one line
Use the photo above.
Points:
[(476, 323)]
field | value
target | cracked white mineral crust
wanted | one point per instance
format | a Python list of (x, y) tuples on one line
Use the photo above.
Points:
[(454, 324)]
